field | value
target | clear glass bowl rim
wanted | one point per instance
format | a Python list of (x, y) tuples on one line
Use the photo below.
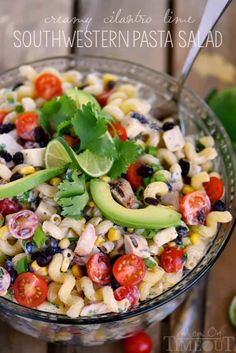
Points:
[(163, 298)]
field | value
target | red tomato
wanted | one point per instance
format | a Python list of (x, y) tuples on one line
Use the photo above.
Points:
[(214, 188), (140, 342), (102, 99), (120, 129), (193, 204), (23, 224), (171, 260), (133, 177), (26, 124), (2, 116), (48, 86), (8, 206), (129, 270), (131, 293), (99, 268), (30, 289), (72, 141)]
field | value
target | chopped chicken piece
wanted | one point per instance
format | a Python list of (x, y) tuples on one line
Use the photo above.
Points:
[(164, 236), (136, 244), (123, 193)]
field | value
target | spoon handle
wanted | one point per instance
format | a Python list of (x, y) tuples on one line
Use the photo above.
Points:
[(212, 12)]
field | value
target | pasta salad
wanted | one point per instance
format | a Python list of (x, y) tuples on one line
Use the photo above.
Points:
[(101, 206)]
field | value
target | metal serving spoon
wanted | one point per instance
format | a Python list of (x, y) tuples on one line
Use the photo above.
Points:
[(212, 12)]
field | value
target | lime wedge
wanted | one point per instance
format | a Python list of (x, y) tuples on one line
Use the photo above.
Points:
[(94, 165), (232, 311), (59, 154)]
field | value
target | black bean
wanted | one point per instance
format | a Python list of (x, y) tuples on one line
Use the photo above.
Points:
[(182, 231), (6, 156), (145, 171), (111, 84), (16, 176), (168, 126), (43, 259), (151, 201), (39, 134), (179, 240), (185, 166), (18, 158), (219, 206), (170, 188), (5, 128)]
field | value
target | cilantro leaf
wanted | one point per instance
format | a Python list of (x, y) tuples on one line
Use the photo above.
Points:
[(39, 237), (72, 196), (22, 265), (72, 206), (127, 153), (90, 126), (55, 112)]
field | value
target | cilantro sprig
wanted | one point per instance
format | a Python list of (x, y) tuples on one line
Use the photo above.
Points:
[(72, 196), (90, 124)]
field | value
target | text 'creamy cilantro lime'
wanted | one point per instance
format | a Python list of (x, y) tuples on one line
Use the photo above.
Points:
[(100, 208)]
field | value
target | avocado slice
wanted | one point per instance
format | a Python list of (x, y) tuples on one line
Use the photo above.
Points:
[(147, 218), (81, 97), (29, 182)]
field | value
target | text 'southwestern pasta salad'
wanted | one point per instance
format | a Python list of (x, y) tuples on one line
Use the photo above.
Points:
[(101, 206)]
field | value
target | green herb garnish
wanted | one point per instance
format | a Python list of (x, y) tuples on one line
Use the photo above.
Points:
[(22, 265), (149, 263), (39, 237)]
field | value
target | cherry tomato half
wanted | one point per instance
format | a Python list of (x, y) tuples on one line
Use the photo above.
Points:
[(8, 206), (72, 141), (48, 86), (23, 224), (2, 116), (195, 206), (140, 342), (30, 289), (131, 293), (129, 270), (102, 99), (26, 124), (214, 188), (132, 175), (120, 130), (99, 268), (171, 260)]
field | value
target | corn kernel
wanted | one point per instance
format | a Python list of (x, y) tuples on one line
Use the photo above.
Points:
[(91, 204), (77, 271), (109, 77), (172, 244), (113, 253), (42, 271), (99, 295), (4, 231), (27, 170), (64, 243), (160, 250), (55, 181), (114, 234), (99, 240), (195, 238), (187, 189), (105, 178)]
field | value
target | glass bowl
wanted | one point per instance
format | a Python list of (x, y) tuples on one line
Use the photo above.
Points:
[(199, 120)]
